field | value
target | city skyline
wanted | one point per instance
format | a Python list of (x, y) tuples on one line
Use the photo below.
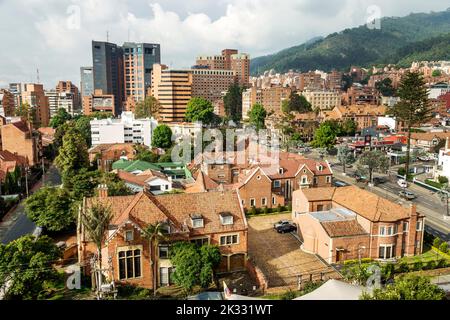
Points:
[(59, 34)]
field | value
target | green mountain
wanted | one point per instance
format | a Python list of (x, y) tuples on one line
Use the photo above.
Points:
[(399, 40)]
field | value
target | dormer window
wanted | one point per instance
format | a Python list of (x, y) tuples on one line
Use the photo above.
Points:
[(280, 170), (129, 235), (197, 221), (320, 167), (226, 218)]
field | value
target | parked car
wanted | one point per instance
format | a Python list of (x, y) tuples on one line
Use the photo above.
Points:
[(338, 183), (360, 178), (408, 195), (280, 223), (286, 228), (402, 183), (378, 180)]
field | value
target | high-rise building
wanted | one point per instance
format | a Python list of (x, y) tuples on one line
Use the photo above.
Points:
[(123, 71), (138, 62), (60, 100), (33, 94), (323, 99), (87, 81), (16, 90), (173, 90), (6, 103), (108, 71), (69, 90), (230, 59)]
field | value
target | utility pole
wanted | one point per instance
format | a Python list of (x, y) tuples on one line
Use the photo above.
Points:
[(43, 171), (26, 180)]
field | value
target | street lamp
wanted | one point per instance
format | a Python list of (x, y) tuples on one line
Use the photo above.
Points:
[(360, 248)]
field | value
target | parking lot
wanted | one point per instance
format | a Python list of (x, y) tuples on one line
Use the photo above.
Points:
[(279, 255)]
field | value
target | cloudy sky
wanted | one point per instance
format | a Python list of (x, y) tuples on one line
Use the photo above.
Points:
[(55, 36)]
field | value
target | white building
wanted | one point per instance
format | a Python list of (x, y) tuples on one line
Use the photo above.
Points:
[(181, 129), (126, 129), (62, 100), (443, 168), (389, 122), (322, 99), (389, 101)]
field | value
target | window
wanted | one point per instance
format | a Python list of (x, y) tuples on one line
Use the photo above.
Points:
[(304, 180), (229, 240), (315, 180), (386, 251), (274, 200), (328, 179), (263, 201), (226, 218), (276, 183), (129, 235), (419, 225), (382, 231), (200, 241), (129, 264), (164, 252), (197, 221), (258, 177), (405, 226), (252, 202)]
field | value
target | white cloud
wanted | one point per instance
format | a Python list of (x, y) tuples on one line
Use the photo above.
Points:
[(40, 33)]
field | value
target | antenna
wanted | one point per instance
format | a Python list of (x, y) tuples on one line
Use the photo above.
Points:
[(107, 36), (128, 34), (37, 75)]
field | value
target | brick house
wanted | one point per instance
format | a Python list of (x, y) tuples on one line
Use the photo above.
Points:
[(9, 162), (348, 222), (106, 154), (265, 187), (215, 217), (428, 140), (20, 138)]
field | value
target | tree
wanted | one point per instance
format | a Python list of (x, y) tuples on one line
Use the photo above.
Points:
[(95, 222), (444, 195), (385, 87), (73, 154), (147, 108), (194, 265), (187, 261), (145, 154), (27, 265), (371, 161), (257, 115), (199, 109), (233, 102), (162, 137), (116, 186), (296, 103), (349, 127), (155, 233), (413, 108), (61, 117), (49, 207), (436, 73), (408, 287), (344, 155), (324, 136)]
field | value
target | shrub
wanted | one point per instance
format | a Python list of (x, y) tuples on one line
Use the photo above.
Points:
[(253, 210), (289, 207), (417, 266), (442, 179), (388, 270), (430, 265), (279, 209), (265, 210), (436, 242), (401, 171), (288, 295), (444, 247), (441, 263), (402, 267)]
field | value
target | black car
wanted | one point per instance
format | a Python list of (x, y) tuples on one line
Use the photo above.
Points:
[(286, 228), (378, 180)]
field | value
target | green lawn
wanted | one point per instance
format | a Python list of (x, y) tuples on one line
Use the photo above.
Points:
[(427, 256)]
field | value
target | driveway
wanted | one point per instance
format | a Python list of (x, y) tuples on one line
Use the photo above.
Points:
[(279, 255)]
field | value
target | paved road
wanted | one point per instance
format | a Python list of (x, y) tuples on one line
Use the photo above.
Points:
[(16, 224)]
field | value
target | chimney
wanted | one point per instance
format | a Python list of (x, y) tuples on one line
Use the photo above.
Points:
[(412, 209), (102, 191), (447, 144)]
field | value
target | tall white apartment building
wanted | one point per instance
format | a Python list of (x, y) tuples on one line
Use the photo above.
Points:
[(125, 129)]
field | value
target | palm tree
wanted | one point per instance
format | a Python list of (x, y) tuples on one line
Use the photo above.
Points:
[(155, 233), (96, 221)]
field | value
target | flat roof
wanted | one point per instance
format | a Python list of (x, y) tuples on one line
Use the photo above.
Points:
[(334, 214)]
